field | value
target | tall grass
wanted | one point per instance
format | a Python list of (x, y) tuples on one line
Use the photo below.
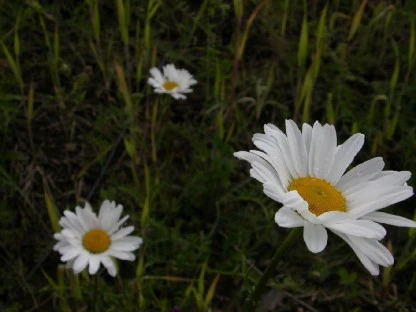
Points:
[(79, 123)]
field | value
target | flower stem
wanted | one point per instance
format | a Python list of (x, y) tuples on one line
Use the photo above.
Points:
[(258, 290)]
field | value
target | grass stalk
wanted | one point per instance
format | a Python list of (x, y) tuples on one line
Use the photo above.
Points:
[(277, 257)]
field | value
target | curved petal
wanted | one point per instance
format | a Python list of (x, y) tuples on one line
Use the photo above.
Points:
[(379, 201), (279, 166), (251, 157), (94, 264), (80, 263), (359, 228), (268, 174), (282, 147), (122, 255), (344, 156), (315, 237), (273, 192), (373, 250), (370, 265), (157, 75), (109, 265), (122, 232), (127, 244), (387, 218), (297, 148), (307, 136), (286, 217), (361, 173)]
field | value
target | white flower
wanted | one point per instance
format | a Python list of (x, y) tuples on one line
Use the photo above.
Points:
[(304, 170), (88, 239), (173, 81)]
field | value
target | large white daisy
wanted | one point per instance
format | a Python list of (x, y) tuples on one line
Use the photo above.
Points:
[(304, 170), (88, 240), (173, 81)]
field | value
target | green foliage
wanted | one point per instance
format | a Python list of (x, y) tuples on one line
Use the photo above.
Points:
[(77, 116)]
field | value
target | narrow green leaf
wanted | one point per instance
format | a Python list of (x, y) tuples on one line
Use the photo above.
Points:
[(122, 21), (30, 100), (52, 211), (303, 43), (321, 30), (412, 42), (14, 66), (211, 290), (395, 75), (356, 22), (16, 36)]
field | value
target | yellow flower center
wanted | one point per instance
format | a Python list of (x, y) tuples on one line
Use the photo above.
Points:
[(320, 195), (96, 241), (169, 85)]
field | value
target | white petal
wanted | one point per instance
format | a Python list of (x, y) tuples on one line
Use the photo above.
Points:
[(361, 173), (315, 237), (256, 176), (374, 250), (122, 232), (307, 135), (387, 218), (127, 244), (157, 75), (60, 245), (297, 148), (109, 265), (178, 96), (384, 200), (332, 217), (326, 152), (94, 264), (316, 141), (278, 140), (109, 214), (360, 228), (370, 265), (273, 191), (344, 156), (268, 174), (69, 253), (276, 161), (258, 158), (80, 263), (293, 200), (87, 218), (154, 83), (286, 217), (117, 225), (73, 221), (123, 255)]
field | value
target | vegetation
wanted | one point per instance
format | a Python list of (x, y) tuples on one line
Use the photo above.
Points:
[(78, 123)]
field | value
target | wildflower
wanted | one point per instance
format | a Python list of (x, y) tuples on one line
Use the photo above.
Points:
[(304, 170), (88, 240), (173, 81)]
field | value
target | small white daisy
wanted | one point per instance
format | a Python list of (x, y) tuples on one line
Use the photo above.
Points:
[(304, 170), (88, 239), (173, 81)]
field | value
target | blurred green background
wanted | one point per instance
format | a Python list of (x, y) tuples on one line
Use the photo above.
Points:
[(79, 123)]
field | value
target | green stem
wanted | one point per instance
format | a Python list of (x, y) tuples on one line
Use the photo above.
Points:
[(153, 130), (94, 305), (258, 290)]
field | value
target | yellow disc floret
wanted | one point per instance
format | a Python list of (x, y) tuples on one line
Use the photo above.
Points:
[(96, 241), (169, 85), (320, 195)]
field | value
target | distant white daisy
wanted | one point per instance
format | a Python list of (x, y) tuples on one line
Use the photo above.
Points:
[(304, 170), (88, 240), (173, 81)]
